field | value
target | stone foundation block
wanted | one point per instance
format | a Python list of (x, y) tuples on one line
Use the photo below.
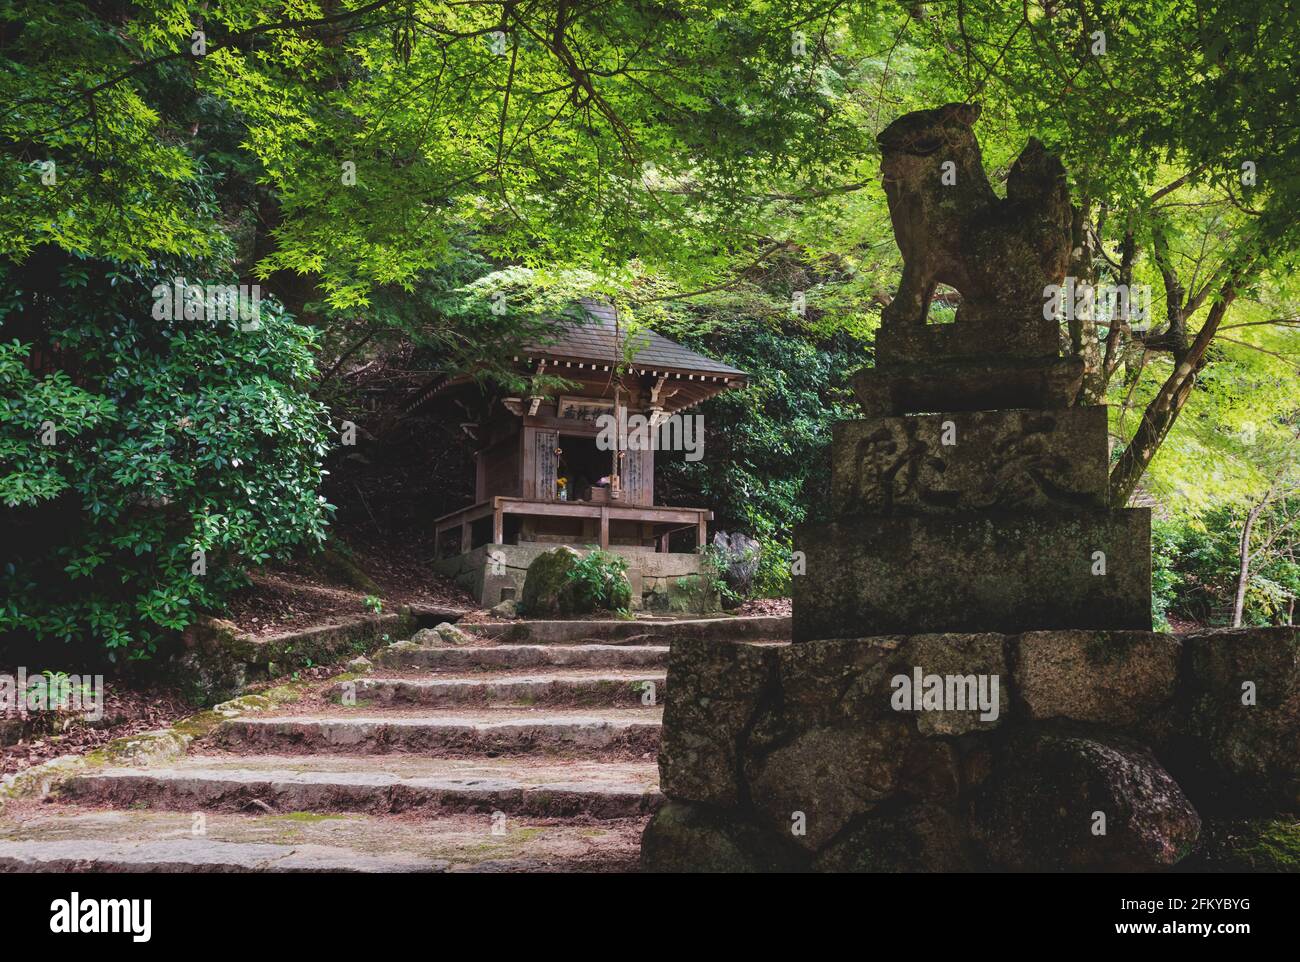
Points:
[(1067, 803), (1116, 678), (994, 571), (1243, 703), (723, 685), (975, 384)]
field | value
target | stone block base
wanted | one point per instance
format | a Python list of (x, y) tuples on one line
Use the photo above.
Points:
[(1042, 751), (989, 571), (661, 581), (969, 385)]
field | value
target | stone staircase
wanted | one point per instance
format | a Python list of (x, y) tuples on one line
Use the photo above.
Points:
[(496, 755)]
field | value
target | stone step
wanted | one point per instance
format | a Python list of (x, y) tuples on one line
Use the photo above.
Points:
[(657, 631), (70, 838), (614, 731), (372, 785), (576, 689), (405, 655)]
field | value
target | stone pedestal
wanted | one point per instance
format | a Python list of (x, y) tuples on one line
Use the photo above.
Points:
[(976, 385), (1018, 460), (973, 521)]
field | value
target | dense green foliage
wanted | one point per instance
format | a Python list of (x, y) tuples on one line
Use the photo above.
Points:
[(421, 184), (1195, 566), (583, 133), (766, 467), (161, 457)]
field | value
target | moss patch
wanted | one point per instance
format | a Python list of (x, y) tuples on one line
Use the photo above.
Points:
[(307, 818), (1276, 847)]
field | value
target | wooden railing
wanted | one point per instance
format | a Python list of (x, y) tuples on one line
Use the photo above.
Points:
[(498, 507)]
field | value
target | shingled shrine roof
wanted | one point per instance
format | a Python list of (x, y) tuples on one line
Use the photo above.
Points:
[(591, 339), (599, 339)]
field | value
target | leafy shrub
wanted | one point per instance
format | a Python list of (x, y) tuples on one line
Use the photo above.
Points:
[(182, 450), (772, 580), (597, 581), (1165, 579), (59, 702)]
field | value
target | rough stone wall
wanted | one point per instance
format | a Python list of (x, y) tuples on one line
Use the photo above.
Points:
[(973, 551), (655, 576), (1106, 751)]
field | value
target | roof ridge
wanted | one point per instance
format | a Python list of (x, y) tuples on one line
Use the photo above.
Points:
[(594, 339)]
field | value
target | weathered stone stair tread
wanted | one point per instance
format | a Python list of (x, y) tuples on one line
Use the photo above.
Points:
[(482, 716), (589, 687), (525, 770), (525, 656), (511, 677), (356, 784), (498, 676), (661, 630), (627, 730), (80, 839)]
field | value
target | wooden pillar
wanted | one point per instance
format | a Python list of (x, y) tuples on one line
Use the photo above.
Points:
[(466, 534), (604, 527), (498, 525), (702, 532), (663, 542)]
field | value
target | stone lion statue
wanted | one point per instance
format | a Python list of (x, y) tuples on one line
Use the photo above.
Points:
[(953, 229)]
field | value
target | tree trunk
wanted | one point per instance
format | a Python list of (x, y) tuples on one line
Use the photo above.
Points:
[(1164, 408), (1082, 267), (1094, 385), (1174, 338), (1243, 566)]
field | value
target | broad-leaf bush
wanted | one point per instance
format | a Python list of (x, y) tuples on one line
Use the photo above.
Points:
[(182, 450), (597, 582)]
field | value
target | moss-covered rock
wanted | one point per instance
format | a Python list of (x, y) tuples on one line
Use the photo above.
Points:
[(1248, 845), (693, 593), (212, 663), (449, 634), (1058, 802), (562, 583), (546, 580)]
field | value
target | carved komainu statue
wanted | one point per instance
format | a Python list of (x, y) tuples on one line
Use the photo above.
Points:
[(952, 229), (1001, 255)]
